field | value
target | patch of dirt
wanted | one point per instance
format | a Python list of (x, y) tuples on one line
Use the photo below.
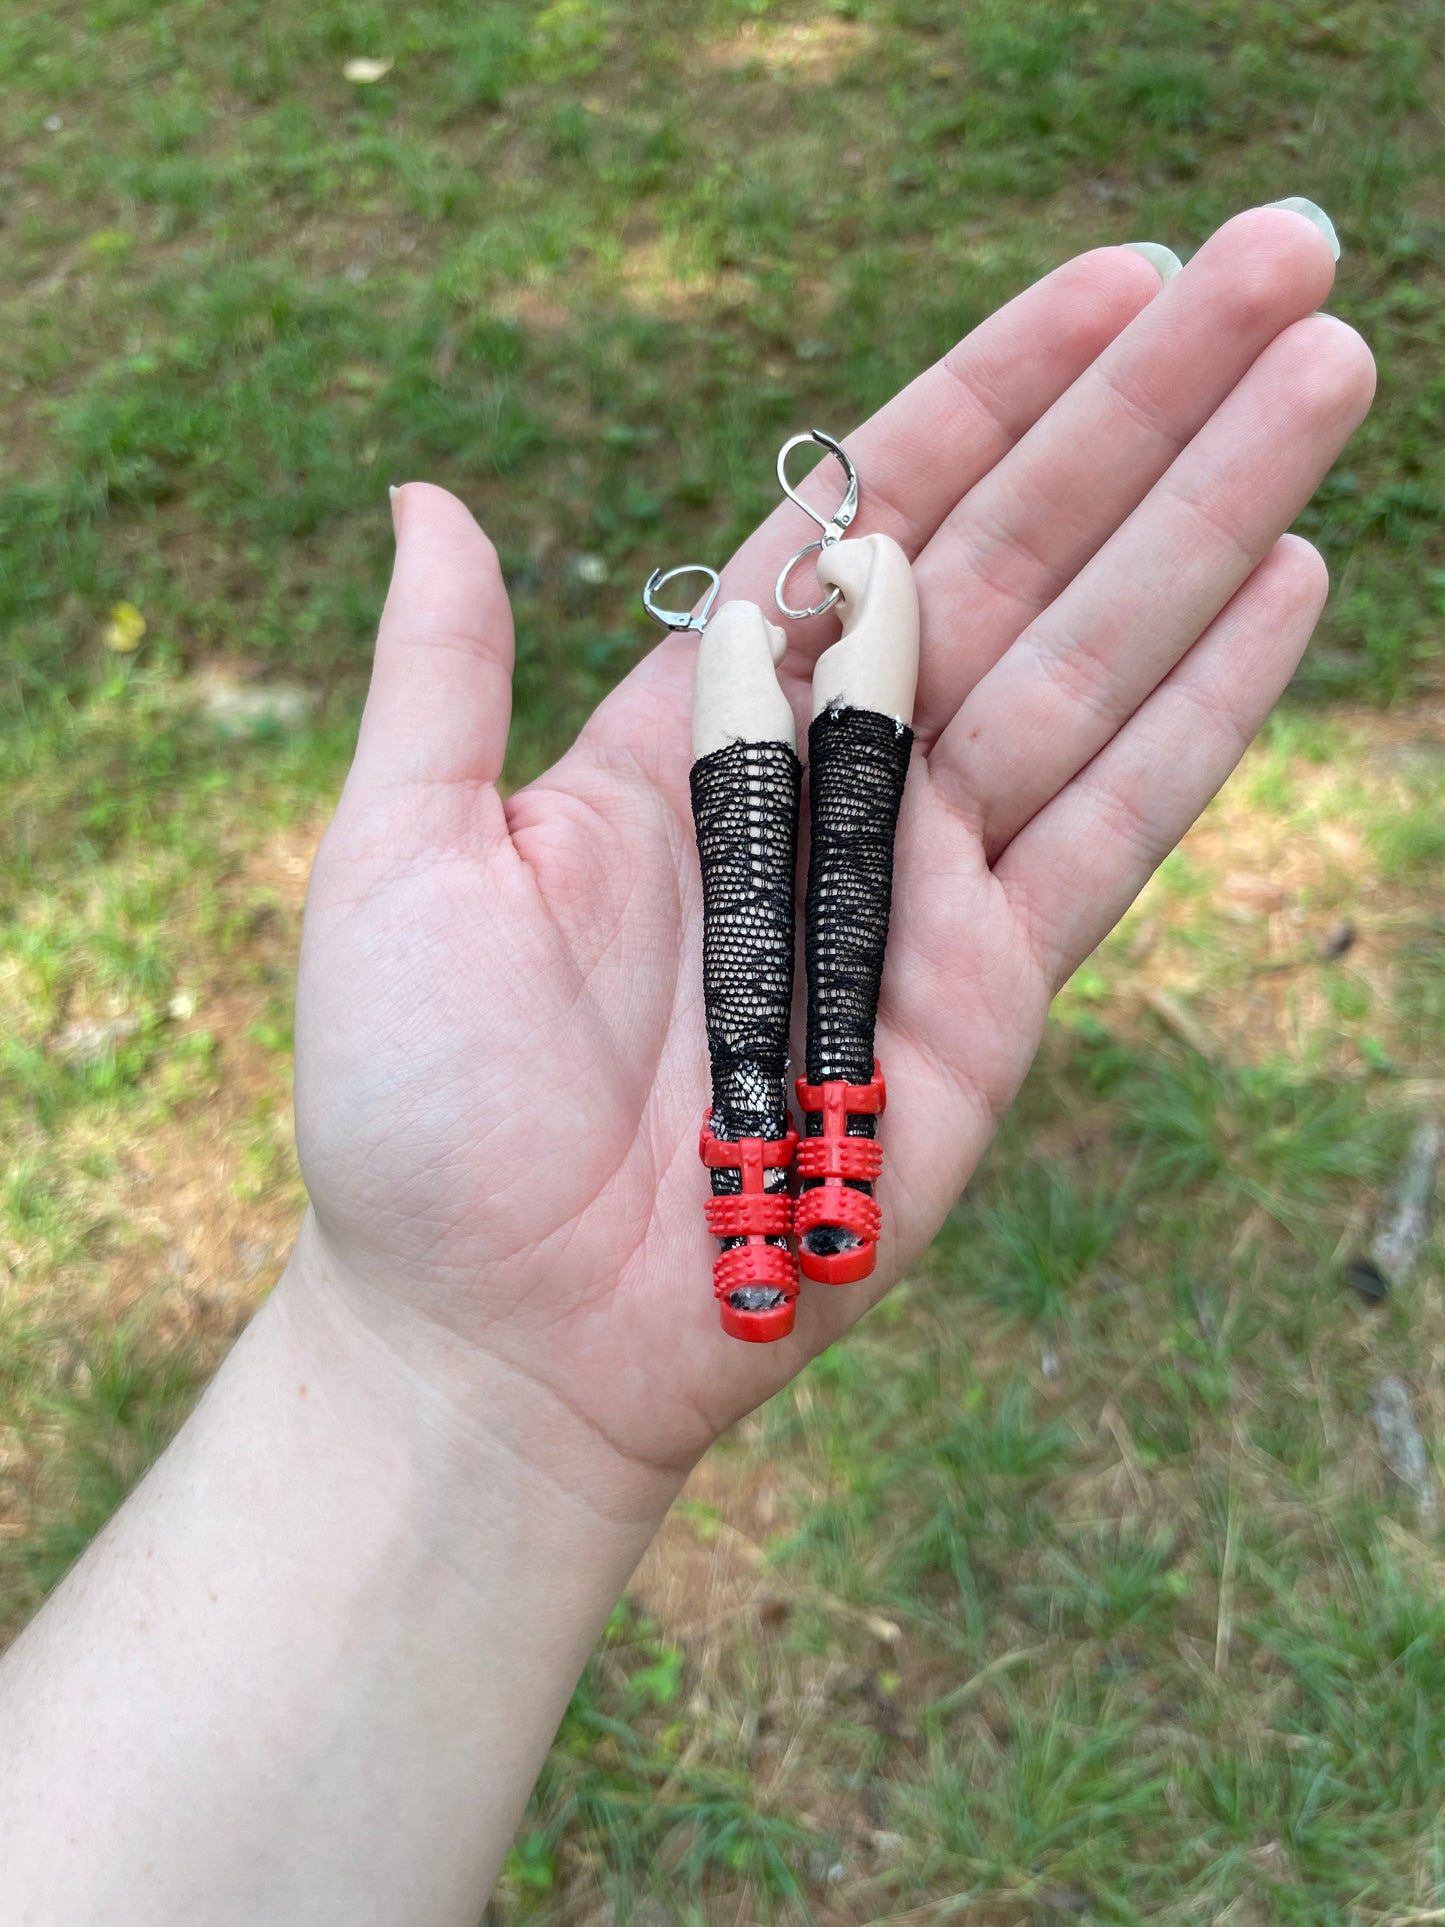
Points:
[(708, 1564), (1282, 883), (205, 1251), (205, 1207), (284, 864), (194, 1201), (815, 51)]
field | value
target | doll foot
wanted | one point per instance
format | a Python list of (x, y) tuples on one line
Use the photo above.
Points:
[(837, 1219), (755, 1277)]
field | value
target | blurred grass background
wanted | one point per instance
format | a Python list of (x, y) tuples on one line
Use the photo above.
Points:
[(1074, 1586)]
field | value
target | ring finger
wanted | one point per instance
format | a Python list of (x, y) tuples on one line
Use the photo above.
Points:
[(1035, 520)]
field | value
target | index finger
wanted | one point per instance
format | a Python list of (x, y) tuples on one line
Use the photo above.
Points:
[(917, 457)]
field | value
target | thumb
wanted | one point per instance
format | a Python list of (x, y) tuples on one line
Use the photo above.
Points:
[(441, 684)]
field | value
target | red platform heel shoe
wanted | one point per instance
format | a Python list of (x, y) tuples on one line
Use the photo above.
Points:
[(754, 1282), (837, 1225)]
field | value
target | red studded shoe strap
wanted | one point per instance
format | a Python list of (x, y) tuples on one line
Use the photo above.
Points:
[(862, 1100), (750, 1155), (858, 1158)]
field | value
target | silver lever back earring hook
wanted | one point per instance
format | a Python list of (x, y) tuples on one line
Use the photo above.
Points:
[(681, 619), (833, 528)]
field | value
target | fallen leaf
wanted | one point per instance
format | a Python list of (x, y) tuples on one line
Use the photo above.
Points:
[(365, 73), (88, 1040), (1145, 938), (1184, 1024), (1247, 890), (124, 630)]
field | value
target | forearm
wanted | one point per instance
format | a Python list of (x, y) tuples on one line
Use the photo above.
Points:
[(311, 1669)]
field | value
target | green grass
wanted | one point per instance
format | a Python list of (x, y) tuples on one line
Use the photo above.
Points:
[(1071, 1587)]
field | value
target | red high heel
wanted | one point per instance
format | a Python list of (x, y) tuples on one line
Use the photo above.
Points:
[(754, 1215), (834, 1205)]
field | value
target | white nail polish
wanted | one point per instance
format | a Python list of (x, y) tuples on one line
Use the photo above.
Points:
[(1297, 204), (1164, 261)]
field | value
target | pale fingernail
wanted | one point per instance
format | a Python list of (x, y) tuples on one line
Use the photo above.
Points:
[(1297, 204), (1164, 261)]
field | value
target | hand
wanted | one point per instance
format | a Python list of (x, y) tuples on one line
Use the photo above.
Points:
[(381, 1549), (501, 1064)]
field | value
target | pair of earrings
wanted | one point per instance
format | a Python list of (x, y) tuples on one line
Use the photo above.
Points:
[(746, 783)]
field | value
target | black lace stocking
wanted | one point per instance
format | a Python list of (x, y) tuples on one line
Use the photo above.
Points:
[(745, 807)]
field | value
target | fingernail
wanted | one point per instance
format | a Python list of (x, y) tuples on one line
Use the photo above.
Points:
[(392, 490), (1164, 261), (1297, 204), (393, 495)]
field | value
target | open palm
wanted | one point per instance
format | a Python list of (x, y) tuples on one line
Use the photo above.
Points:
[(501, 1059)]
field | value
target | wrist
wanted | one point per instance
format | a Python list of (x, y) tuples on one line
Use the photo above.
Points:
[(472, 1427), (336, 1627)]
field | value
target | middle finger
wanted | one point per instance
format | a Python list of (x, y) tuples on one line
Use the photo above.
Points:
[(1035, 519)]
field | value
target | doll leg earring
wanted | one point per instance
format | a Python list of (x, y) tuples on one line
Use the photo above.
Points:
[(746, 780), (858, 750)]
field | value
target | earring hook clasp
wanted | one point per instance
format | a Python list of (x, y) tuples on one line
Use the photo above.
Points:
[(681, 619), (833, 527)]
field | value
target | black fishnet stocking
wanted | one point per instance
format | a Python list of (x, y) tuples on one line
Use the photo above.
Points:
[(857, 763)]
